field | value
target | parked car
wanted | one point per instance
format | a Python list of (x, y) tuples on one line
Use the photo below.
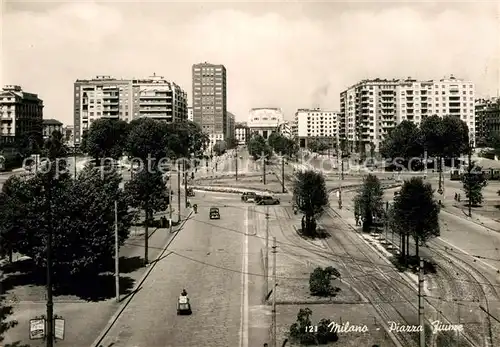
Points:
[(246, 195), (268, 200), (190, 192), (214, 213)]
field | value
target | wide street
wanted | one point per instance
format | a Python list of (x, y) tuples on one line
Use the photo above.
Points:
[(218, 262)]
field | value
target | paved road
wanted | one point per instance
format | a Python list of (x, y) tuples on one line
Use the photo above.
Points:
[(209, 259)]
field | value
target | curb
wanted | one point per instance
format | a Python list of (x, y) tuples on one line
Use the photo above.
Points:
[(123, 305)]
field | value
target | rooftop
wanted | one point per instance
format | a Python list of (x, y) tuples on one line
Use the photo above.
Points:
[(51, 122)]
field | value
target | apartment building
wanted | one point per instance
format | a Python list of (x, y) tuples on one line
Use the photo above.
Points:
[(264, 121), (126, 99), (210, 100), (69, 135), (371, 108), (242, 133), (21, 113), (51, 125), (487, 117), (285, 129), (312, 124), (190, 113), (230, 123)]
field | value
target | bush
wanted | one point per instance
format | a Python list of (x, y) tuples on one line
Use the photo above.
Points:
[(305, 333), (320, 281)]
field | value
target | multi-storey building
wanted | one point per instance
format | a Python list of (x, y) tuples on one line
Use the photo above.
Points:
[(371, 108), (285, 129), (51, 125), (242, 133), (21, 114), (126, 99), (265, 121), (190, 113), (230, 123), (487, 117), (210, 100), (316, 124), (68, 132)]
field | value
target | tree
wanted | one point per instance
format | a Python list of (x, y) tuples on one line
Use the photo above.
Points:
[(456, 133), (5, 323), (147, 191), (186, 138), (232, 143), (82, 212), (317, 145), (325, 332), (320, 281), (473, 183), (219, 148), (311, 198), (149, 137), (404, 142), (415, 212), (282, 144), (106, 138), (258, 146), (369, 201), (299, 331)]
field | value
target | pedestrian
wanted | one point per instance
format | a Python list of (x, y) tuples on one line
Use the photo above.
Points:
[(459, 197), (456, 197)]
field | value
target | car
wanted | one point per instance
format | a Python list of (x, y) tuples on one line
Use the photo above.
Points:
[(268, 200), (214, 213), (246, 195), (183, 305), (190, 192)]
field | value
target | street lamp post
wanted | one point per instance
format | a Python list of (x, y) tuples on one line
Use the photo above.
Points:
[(469, 155)]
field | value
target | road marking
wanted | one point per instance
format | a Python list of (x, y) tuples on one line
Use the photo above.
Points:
[(244, 288), (461, 250)]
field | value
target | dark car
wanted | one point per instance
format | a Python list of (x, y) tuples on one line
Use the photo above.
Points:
[(190, 192), (214, 213), (268, 200), (248, 195)]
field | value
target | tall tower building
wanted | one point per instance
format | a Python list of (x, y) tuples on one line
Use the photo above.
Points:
[(210, 100)]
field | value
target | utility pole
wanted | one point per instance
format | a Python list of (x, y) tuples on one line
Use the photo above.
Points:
[(74, 159), (236, 158), (421, 319), (266, 259), (117, 255), (170, 198), (274, 293), (179, 191), (469, 178), (341, 165), (283, 174), (185, 183), (263, 168), (50, 303)]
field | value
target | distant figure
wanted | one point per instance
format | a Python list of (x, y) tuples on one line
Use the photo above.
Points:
[(459, 197), (456, 197)]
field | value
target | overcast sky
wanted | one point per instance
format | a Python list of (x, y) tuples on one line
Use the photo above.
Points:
[(279, 54)]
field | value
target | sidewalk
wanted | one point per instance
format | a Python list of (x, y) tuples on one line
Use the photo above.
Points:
[(85, 319)]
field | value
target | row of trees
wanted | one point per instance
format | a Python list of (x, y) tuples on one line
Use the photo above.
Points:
[(282, 145), (109, 138), (414, 213)]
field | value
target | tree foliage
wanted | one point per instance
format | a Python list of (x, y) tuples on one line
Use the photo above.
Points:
[(474, 180), (446, 137), (415, 212), (258, 146), (311, 198), (283, 145), (369, 201), (80, 214), (304, 332), (404, 141), (149, 138), (317, 145), (219, 148), (147, 191), (232, 143), (106, 138), (320, 281)]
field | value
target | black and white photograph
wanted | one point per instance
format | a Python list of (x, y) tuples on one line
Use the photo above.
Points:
[(249, 173)]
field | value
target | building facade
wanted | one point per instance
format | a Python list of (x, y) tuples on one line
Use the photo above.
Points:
[(371, 108), (242, 133), (316, 124), (285, 129), (21, 114), (51, 125), (190, 113), (487, 117), (126, 99), (230, 123), (68, 132), (210, 100), (265, 121)]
